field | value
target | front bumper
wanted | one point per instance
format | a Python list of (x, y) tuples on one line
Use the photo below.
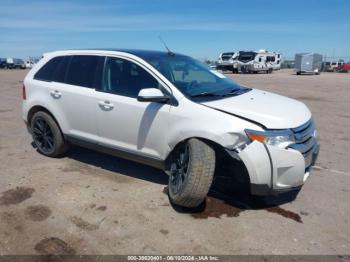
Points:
[(274, 170)]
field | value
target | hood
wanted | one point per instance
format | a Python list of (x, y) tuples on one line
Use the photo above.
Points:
[(270, 110)]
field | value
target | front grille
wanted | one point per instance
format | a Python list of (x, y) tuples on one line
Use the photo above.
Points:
[(305, 141)]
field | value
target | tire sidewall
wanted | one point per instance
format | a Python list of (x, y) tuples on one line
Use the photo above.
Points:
[(200, 172), (57, 136)]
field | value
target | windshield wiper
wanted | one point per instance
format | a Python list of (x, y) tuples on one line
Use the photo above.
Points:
[(205, 94), (236, 92)]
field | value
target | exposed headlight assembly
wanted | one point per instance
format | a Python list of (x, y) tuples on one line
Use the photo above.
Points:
[(280, 138)]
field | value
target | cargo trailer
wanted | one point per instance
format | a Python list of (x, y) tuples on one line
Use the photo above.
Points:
[(308, 63)]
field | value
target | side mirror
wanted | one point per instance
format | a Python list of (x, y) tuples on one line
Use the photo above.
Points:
[(152, 95)]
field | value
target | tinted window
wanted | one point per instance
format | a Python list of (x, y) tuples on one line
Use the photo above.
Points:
[(270, 59), (125, 78), (47, 71), (82, 70), (61, 69), (246, 56)]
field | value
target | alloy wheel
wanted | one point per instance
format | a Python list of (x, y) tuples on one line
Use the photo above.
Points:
[(43, 136), (179, 168)]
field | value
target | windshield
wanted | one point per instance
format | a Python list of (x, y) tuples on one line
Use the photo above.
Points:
[(228, 54), (192, 77), (246, 56)]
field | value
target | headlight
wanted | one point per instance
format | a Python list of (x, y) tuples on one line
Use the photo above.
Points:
[(278, 138)]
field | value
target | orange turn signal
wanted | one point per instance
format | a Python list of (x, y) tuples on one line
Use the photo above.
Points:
[(260, 138)]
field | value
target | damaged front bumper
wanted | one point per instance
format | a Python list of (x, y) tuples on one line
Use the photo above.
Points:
[(274, 170)]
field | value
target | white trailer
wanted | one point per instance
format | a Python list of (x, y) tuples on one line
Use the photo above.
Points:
[(272, 59), (259, 61), (227, 61)]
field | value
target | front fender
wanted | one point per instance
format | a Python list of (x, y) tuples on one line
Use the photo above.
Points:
[(258, 163)]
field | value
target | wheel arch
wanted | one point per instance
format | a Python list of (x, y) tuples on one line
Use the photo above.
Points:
[(222, 158), (38, 108)]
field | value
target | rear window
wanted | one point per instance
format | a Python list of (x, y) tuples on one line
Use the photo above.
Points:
[(47, 72), (82, 70), (61, 69)]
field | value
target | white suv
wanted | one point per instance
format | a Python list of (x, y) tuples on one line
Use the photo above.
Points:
[(172, 112)]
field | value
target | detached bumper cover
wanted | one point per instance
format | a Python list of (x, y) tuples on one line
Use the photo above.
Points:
[(274, 170)]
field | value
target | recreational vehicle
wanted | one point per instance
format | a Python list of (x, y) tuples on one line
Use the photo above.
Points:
[(227, 61), (260, 61)]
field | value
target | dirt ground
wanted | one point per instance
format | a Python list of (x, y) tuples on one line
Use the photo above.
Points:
[(91, 203)]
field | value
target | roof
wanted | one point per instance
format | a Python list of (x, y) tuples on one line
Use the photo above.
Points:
[(137, 52)]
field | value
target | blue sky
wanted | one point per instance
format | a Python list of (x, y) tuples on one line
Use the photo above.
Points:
[(200, 28)]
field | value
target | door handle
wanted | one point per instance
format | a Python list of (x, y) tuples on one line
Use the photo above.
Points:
[(106, 105), (56, 94)]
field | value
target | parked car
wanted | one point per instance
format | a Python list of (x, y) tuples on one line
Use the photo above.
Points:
[(171, 112), (10, 63), (343, 68), (326, 67), (336, 65), (3, 63), (19, 63)]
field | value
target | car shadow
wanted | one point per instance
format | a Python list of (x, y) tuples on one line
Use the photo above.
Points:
[(118, 165), (226, 196), (225, 191)]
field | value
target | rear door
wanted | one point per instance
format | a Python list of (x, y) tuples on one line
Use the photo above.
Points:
[(73, 90)]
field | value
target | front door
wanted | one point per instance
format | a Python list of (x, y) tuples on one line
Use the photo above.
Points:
[(125, 123)]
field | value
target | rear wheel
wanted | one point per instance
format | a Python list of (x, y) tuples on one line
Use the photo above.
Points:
[(47, 135), (191, 173)]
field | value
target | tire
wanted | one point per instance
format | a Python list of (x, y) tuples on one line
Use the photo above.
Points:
[(191, 173), (47, 135)]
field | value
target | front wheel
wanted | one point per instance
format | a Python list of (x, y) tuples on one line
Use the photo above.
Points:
[(191, 173)]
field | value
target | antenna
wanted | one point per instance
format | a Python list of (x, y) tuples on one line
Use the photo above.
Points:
[(166, 47)]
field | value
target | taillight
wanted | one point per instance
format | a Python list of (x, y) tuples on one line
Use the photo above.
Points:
[(24, 95)]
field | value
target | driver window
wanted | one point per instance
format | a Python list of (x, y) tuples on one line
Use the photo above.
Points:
[(126, 78)]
